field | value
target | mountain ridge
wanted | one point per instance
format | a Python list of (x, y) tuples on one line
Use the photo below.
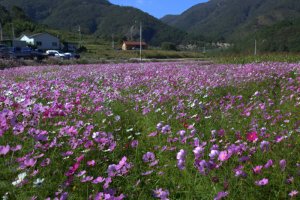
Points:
[(230, 18), (98, 17)]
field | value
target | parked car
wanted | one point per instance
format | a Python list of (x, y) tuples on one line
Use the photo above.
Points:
[(4, 51), (57, 54), (20, 52), (72, 55), (38, 54)]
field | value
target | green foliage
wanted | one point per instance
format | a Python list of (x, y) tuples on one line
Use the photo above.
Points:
[(17, 18), (4, 15), (168, 46), (18, 13), (82, 49)]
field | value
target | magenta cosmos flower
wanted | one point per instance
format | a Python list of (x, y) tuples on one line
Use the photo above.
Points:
[(252, 136)]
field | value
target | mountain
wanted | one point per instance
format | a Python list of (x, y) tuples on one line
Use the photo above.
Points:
[(283, 36), (17, 17), (231, 19), (98, 17)]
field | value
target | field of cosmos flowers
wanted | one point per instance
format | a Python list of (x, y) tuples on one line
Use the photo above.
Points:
[(150, 131)]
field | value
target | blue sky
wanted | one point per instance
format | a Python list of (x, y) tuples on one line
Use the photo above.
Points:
[(159, 8)]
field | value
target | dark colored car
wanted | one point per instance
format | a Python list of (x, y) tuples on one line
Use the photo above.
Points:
[(4, 51), (20, 52), (38, 54), (72, 55)]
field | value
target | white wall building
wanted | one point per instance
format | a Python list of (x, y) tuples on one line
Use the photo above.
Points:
[(44, 41)]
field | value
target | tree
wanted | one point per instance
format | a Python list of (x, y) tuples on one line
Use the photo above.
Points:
[(168, 46)]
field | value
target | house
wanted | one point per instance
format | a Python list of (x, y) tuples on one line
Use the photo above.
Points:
[(43, 41), (130, 45)]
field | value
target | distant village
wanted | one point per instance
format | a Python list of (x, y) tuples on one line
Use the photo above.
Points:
[(49, 45)]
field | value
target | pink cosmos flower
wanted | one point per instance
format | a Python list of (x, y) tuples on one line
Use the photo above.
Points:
[(264, 145), (262, 182), (98, 180), (81, 173), (134, 143), (161, 194), (257, 169), (152, 164), (223, 156), (293, 193), (269, 164), (87, 179), (149, 157), (181, 159), (221, 195), (252, 137), (239, 171), (91, 163), (29, 162), (153, 134), (4, 150), (73, 169), (147, 173), (45, 162), (282, 164), (16, 148), (213, 153)]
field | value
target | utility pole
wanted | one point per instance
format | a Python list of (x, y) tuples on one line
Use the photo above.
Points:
[(141, 41), (79, 33), (113, 41), (255, 48), (131, 32), (1, 32), (13, 31)]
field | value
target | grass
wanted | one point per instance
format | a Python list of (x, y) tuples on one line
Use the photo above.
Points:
[(231, 58), (103, 52)]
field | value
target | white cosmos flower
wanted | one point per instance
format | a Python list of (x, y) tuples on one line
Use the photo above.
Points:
[(95, 134), (19, 99), (20, 179), (5, 197), (8, 93), (129, 130), (38, 182), (117, 118)]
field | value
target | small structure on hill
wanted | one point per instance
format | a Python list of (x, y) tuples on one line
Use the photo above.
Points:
[(43, 41), (131, 45)]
